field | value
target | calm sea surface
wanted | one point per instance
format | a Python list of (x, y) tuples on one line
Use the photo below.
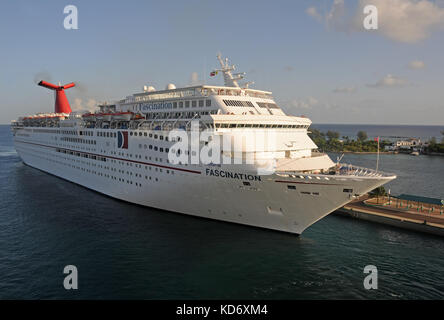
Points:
[(127, 251)]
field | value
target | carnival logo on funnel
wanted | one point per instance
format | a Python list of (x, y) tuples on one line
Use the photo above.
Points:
[(122, 139)]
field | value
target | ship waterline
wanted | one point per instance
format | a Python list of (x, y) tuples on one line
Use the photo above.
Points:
[(125, 151)]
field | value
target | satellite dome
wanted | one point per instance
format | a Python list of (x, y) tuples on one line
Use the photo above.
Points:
[(148, 89), (170, 86)]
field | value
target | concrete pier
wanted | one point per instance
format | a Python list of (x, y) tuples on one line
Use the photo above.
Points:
[(384, 210)]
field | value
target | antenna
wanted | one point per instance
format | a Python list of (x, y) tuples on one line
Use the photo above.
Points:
[(230, 80)]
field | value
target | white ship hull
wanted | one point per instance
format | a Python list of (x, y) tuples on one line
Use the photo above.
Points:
[(145, 178)]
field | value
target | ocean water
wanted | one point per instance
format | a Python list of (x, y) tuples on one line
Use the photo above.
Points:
[(389, 132), (124, 251)]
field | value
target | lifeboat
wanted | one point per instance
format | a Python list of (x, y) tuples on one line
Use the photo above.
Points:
[(107, 116), (89, 116), (138, 116), (125, 116), (104, 116)]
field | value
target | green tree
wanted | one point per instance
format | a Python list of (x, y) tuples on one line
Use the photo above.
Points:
[(432, 141), (379, 191), (332, 135), (362, 135)]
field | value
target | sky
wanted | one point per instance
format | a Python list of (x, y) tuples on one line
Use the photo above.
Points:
[(314, 55)]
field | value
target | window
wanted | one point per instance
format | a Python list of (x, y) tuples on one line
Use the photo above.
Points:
[(268, 105), (291, 187), (187, 104), (174, 105), (208, 103), (348, 190), (180, 104), (194, 103), (201, 103), (246, 183)]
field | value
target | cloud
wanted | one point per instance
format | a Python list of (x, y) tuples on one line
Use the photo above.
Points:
[(345, 90), (389, 81), (416, 64), (304, 103), (407, 21), (80, 105), (336, 18), (313, 12)]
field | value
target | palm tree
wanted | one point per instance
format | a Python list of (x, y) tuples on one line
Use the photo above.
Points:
[(362, 135)]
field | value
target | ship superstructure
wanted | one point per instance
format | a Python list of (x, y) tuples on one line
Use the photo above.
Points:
[(128, 149)]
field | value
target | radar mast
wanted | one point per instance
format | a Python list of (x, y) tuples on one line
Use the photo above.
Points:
[(230, 79)]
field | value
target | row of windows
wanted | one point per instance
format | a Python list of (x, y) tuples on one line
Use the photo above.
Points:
[(114, 169), (193, 103), (78, 140), (181, 104), (70, 132), (176, 115), (103, 174), (81, 154), (155, 148), (45, 131), (267, 105), (86, 133), (291, 187), (107, 134), (256, 125), (238, 103), (150, 135)]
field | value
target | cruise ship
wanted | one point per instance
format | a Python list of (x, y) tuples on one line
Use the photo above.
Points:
[(227, 153)]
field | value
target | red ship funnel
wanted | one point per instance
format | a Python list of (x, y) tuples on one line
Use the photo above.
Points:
[(61, 102)]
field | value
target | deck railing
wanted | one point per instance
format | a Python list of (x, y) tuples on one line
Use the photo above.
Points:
[(352, 170)]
